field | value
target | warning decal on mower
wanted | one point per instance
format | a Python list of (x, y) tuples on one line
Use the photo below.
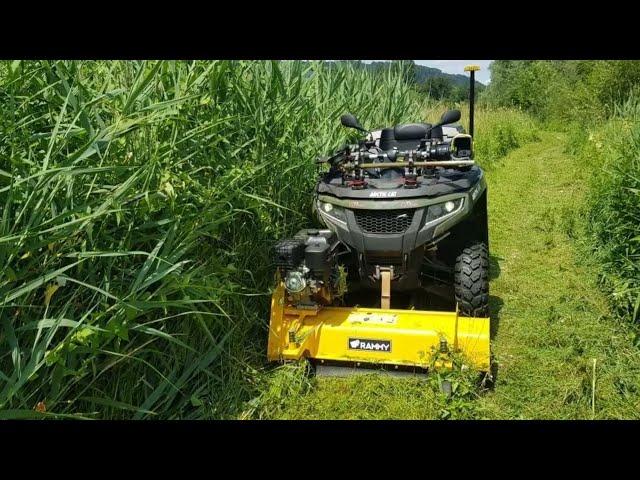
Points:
[(370, 317), (369, 345)]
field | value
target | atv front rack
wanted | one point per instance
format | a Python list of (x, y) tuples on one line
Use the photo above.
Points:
[(432, 164), (408, 338), (415, 162)]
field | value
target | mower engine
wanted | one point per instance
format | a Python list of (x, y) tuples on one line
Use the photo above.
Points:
[(307, 265)]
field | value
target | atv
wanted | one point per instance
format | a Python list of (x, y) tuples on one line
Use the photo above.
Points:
[(424, 224), (402, 212)]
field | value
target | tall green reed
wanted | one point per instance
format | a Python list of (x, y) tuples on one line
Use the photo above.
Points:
[(138, 204)]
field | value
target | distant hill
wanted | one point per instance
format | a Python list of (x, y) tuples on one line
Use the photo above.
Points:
[(431, 81), (423, 73)]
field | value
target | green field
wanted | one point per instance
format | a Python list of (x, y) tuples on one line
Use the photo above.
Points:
[(139, 201)]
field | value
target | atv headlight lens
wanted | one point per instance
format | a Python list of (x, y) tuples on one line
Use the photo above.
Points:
[(332, 212), (440, 211)]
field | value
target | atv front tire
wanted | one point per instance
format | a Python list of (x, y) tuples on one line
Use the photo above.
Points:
[(471, 281)]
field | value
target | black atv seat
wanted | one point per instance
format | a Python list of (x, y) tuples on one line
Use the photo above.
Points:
[(407, 136)]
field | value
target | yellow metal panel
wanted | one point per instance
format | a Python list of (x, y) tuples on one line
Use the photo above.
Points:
[(388, 336), (472, 68)]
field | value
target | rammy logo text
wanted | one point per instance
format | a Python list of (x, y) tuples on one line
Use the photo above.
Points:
[(370, 345)]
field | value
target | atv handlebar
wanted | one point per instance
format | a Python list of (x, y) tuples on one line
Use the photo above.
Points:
[(430, 158), (391, 155), (352, 157), (433, 163)]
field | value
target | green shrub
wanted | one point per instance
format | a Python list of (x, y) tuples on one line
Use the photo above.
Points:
[(498, 131), (562, 91), (611, 151)]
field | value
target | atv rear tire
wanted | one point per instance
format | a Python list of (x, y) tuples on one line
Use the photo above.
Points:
[(471, 281)]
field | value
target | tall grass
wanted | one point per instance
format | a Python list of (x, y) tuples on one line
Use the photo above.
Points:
[(611, 152), (138, 205), (501, 130), (498, 130)]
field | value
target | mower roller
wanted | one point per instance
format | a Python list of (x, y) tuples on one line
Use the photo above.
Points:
[(403, 219)]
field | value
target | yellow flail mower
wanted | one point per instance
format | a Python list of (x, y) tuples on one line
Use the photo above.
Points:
[(356, 336), (397, 273)]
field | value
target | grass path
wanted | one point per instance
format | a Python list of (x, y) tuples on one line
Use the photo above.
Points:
[(553, 339)]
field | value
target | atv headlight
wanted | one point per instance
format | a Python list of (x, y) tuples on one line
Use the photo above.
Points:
[(332, 212), (440, 211)]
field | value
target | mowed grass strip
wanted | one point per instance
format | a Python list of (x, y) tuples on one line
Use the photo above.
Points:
[(555, 338)]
